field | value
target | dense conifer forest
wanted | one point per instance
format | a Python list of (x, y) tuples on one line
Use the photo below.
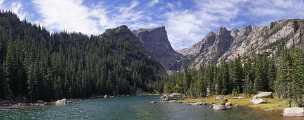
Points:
[(38, 65), (282, 74)]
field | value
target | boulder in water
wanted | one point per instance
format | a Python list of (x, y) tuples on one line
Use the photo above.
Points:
[(172, 96), (293, 112), (218, 107), (60, 102)]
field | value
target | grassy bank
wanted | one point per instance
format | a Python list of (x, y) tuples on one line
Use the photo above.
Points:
[(273, 104)]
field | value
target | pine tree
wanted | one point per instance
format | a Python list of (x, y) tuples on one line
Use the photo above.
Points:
[(237, 75), (249, 72)]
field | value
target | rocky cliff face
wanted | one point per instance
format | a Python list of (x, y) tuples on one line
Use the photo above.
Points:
[(156, 42), (228, 44)]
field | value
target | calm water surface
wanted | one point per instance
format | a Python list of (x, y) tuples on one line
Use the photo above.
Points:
[(128, 108)]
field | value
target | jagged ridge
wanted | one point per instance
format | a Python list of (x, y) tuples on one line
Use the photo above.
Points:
[(227, 44)]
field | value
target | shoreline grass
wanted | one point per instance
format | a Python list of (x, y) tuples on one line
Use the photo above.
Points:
[(273, 104)]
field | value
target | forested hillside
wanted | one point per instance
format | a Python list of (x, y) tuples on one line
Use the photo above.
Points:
[(282, 74), (36, 64)]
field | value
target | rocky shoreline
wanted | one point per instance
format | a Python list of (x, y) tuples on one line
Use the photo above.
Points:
[(263, 101), (177, 98), (10, 105)]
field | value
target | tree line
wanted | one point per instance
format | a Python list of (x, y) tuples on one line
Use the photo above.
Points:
[(38, 65), (282, 74)]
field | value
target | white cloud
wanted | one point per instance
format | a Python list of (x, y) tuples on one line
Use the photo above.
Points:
[(183, 28), (129, 14), (68, 15), (74, 16), (277, 9)]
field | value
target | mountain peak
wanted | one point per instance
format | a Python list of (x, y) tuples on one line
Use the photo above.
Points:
[(155, 40)]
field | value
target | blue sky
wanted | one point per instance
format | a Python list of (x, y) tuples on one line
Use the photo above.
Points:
[(186, 21)]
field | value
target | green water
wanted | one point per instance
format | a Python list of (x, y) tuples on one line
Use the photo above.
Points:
[(127, 108)]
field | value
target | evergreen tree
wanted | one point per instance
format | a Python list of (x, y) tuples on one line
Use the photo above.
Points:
[(237, 75)]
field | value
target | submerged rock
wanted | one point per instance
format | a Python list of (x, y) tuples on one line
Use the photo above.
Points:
[(293, 112)]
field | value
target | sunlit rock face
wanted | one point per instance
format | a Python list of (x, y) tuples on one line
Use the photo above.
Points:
[(226, 44), (156, 42)]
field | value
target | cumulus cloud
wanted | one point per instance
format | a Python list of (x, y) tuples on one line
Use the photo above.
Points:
[(69, 15), (74, 16)]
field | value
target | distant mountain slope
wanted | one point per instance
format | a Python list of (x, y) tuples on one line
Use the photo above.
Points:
[(156, 42), (227, 44)]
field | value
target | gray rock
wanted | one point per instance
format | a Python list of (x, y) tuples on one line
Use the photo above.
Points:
[(263, 95), (293, 112), (60, 102), (218, 107), (172, 96), (228, 105), (257, 101)]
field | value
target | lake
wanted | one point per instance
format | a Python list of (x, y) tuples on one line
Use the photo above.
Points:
[(128, 108)]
